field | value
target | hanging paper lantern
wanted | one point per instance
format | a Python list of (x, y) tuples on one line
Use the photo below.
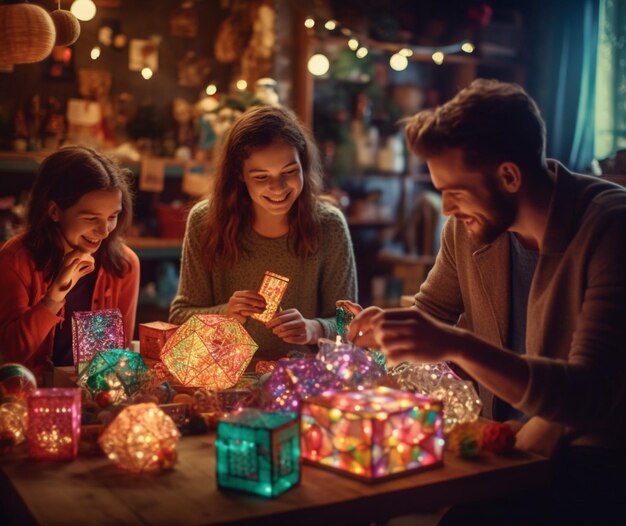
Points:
[(372, 434), (16, 381), (94, 332), (258, 452), (117, 372), (438, 381), (27, 34), (54, 423), (67, 27), (141, 438), (209, 351)]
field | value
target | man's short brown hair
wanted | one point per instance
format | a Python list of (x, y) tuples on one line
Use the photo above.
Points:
[(490, 121)]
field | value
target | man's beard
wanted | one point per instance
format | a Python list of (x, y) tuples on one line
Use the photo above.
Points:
[(502, 210)]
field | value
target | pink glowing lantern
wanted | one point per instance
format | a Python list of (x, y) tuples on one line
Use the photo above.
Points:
[(94, 332), (53, 431), (372, 434), (141, 439), (210, 351), (152, 338)]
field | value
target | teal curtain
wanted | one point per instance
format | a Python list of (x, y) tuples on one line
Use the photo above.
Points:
[(610, 122), (562, 76)]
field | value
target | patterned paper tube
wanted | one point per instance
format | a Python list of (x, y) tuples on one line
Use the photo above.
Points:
[(54, 423), (95, 331), (272, 289)]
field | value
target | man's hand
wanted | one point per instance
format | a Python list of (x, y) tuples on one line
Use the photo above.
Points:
[(360, 328)]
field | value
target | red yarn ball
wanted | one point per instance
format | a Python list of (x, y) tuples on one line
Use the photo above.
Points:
[(498, 437)]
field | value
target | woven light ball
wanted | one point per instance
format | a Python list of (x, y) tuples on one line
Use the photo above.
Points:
[(67, 27), (27, 34)]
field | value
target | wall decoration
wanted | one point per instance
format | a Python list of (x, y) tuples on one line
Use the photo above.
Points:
[(193, 70), (152, 174), (184, 21), (143, 54)]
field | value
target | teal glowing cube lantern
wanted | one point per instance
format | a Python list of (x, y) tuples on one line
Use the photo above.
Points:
[(372, 434), (258, 452)]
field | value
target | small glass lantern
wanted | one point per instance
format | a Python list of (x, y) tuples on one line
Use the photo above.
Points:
[(53, 431), (210, 351), (95, 331), (258, 452), (372, 434), (152, 338)]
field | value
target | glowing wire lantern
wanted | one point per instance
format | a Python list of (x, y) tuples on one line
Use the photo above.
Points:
[(372, 434), (141, 439), (209, 351), (118, 372), (272, 288), (436, 380), (258, 452), (94, 332), (53, 431), (356, 367)]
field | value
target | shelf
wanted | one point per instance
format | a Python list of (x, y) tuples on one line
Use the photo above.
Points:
[(28, 163), (155, 247)]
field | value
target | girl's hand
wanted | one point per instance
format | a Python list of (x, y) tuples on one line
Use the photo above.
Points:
[(361, 328), (76, 264), (290, 326), (244, 303)]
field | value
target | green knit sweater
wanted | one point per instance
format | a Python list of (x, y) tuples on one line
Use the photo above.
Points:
[(315, 283)]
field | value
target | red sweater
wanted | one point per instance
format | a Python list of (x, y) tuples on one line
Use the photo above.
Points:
[(27, 326)]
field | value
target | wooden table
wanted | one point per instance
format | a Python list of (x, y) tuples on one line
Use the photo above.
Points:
[(93, 491)]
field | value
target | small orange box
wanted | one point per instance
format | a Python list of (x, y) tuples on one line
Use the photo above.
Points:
[(152, 338)]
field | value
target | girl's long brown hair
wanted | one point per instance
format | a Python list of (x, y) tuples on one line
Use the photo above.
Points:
[(64, 177), (230, 206)]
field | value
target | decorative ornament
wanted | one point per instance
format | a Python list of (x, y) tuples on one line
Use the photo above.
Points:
[(117, 372), (343, 317), (294, 380), (141, 438), (438, 381), (264, 366), (464, 439), (94, 332), (258, 452), (67, 27), (372, 434), (355, 367), (209, 351), (498, 437), (53, 423), (27, 34), (16, 382)]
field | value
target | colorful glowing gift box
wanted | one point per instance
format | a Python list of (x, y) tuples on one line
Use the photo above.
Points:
[(209, 351), (258, 452), (53, 431), (152, 338), (436, 380), (372, 434), (272, 288), (95, 331), (141, 439), (118, 372)]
